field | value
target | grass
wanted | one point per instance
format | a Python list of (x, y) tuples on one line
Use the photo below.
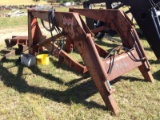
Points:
[(49, 92), (19, 21), (20, 2), (13, 22), (58, 93)]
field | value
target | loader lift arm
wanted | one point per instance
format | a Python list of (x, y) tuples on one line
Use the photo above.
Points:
[(146, 14)]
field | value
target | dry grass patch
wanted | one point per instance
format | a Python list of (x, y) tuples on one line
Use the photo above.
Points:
[(20, 2)]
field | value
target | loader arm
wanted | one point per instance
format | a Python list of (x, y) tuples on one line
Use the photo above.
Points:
[(146, 14)]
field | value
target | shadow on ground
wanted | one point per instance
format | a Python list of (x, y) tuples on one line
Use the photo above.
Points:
[(77, 94)]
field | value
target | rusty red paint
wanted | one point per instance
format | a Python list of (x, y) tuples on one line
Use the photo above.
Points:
[(79, 35)]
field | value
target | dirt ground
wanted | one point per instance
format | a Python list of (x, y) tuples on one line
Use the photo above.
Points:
[(9, 32)]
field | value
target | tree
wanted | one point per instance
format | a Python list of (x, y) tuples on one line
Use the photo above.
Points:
[(36, 0), (51, 1), (80, 1)]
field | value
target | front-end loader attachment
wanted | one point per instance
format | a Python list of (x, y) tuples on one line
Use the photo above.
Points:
[(102, 65)]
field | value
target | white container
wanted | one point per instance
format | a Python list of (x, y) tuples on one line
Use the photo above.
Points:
[(28, 60)]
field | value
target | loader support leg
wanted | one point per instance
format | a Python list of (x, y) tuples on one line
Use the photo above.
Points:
[(97, 71), (146, 73), (69, 45)]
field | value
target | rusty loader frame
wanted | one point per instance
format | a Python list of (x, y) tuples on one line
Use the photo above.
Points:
[(103, 66)]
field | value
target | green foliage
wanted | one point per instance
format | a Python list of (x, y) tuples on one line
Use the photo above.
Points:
[(36, 0), (51, 1)]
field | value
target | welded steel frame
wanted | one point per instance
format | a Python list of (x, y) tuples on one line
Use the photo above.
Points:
[(82, 38)]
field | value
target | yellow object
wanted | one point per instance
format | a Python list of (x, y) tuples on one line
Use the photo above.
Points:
[(42, 59)]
